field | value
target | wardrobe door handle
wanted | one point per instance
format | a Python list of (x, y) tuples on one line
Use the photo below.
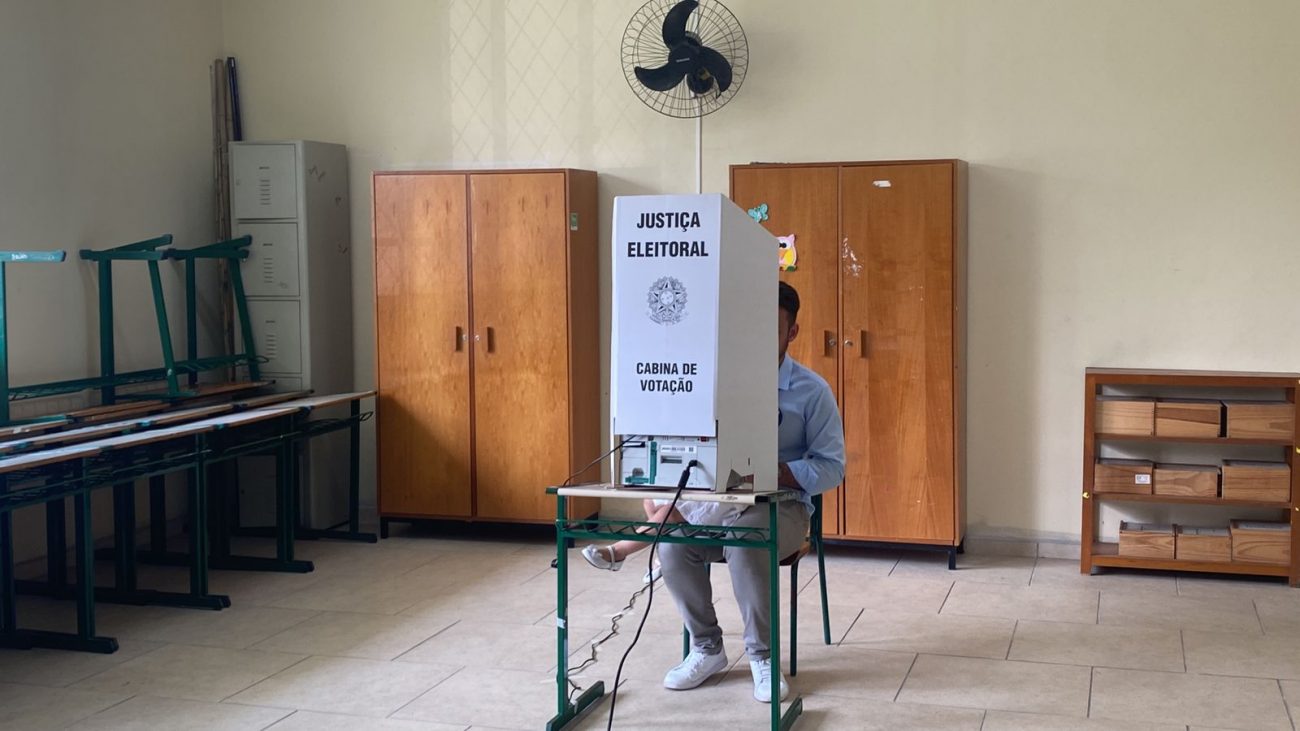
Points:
[(862, 343), (459, 345), (829, 350), (491, 340)]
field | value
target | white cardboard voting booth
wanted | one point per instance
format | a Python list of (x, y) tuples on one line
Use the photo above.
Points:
[(694, 343)]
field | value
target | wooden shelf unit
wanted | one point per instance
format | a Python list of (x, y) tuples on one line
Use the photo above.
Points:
[(1194, 440), (1095, 553), (1107, 555)]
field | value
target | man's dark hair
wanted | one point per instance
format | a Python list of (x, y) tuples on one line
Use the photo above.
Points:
[(788, 300)]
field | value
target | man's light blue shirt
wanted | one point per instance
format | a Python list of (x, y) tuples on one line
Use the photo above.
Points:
[(810, 435)]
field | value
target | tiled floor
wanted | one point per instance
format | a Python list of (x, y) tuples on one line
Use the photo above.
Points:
[(423, 633)]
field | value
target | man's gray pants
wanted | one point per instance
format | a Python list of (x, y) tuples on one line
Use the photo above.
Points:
[(686, 573)]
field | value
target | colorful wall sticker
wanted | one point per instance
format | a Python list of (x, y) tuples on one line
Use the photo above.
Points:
[(758, 213), (789, 256)]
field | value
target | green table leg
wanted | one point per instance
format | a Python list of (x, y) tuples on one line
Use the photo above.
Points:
[(56, 545), (198, 485), (774, 604), (8, 593), (158, 514), (85, 541), (285, 515), (85, 568), (821, 577), (124, 536), (354, 470), (779, 722), (566, 712), (561, 611)]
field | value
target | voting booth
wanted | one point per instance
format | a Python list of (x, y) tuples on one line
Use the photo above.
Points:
[(694, 343)]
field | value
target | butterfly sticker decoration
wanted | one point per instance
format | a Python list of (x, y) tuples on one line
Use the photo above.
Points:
[(758, 213), (789, 255)]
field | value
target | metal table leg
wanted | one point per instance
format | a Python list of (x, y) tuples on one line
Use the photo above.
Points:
[(198, 488), (84, 639), (8, 594), (779, 722), (565, 712), (286, 476), (158, 514), (56, 546), (124, 536), (353, 532)]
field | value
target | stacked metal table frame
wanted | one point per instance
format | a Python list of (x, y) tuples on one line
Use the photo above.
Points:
[(50, 468)]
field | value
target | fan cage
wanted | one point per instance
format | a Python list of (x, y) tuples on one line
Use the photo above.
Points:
[(643, 45)]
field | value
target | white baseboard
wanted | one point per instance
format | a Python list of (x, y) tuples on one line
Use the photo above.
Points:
[(1026, 547)]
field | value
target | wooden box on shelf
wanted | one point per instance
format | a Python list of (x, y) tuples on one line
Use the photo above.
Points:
[(1202, 544), (1146, 540), (1188, 418), (1261, 419), (1128, 476), (1263, 481), (1186, 480), (1126, 415), (1256, 541)]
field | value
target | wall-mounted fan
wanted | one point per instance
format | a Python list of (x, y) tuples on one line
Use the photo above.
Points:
[(685, 58)]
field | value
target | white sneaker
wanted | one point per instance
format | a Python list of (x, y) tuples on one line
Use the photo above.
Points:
[(762, 672), (695, 669), (602, 557), (652, 575)]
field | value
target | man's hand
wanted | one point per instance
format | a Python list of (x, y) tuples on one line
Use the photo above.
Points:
[(785, 478)]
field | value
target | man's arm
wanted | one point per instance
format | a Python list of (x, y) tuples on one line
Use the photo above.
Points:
[(822, 466)]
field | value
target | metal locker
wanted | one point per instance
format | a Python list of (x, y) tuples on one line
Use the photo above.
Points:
[(264, 181), (277, 332), (271, 269), (292, 197)]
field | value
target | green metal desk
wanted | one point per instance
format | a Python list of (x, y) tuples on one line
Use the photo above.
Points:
[(566, 530), (51, 475)]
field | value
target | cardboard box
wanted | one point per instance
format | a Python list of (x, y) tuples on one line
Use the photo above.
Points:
[(1188, 418), (1261, 419), (1128, 476), (1126, 415), (1255, 541), (1145, 540), (1263, 481), (1186, 480), (1202, 544)]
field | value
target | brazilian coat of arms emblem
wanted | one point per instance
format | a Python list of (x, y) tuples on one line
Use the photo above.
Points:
[(667, 301)]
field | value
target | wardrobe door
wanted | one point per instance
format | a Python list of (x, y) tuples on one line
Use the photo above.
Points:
[(423, 354), (898, 352), (804, 202), (519, 264)]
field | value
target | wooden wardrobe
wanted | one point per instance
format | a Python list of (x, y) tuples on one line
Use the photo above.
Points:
[(487, 341), (881, 275)]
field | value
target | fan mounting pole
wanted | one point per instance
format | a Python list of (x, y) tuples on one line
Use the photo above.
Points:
[(699, 155)]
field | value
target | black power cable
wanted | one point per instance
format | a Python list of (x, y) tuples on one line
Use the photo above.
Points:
[(592, 463), (596, 461), (650, 599)]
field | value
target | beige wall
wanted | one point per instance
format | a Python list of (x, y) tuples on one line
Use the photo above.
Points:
[(105, 139), (1133, 164)]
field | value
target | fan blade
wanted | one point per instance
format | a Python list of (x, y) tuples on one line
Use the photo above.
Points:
[(661, 79), (675, 22), (717, 66)]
